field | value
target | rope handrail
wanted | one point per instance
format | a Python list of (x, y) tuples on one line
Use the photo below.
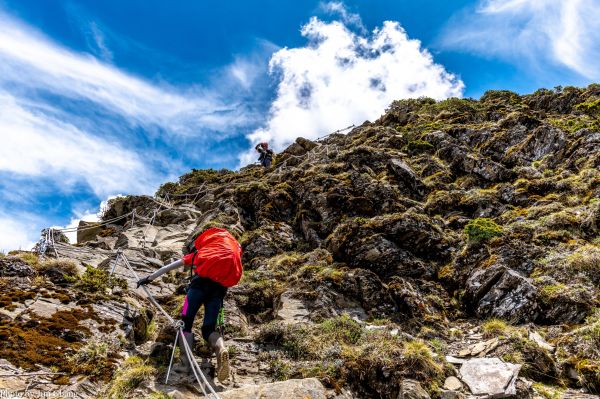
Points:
[(197, 370)]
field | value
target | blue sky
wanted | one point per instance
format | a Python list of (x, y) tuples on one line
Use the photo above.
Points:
[(100, 98)]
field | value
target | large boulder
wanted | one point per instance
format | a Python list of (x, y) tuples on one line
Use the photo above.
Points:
[(490, 377), (501, 292)]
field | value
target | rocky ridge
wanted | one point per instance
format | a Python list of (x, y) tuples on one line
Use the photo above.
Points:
[(449, 249)]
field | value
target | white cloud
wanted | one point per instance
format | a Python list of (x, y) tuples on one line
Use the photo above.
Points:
[(18, 232), (36, 145), (532, 33), (347, 17), (100, 42), (340, 78), (31, 60)]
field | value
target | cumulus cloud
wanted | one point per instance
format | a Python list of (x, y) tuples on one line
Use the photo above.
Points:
[(341, 77), (532, 32), (31, 60)]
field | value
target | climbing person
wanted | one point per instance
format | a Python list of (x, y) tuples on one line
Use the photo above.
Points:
[(266, 154), (216, 264)]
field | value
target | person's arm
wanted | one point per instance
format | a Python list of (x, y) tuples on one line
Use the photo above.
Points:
[(160, 272)]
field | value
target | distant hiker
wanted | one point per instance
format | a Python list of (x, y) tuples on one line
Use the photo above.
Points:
[(216, 262), (266, 154)]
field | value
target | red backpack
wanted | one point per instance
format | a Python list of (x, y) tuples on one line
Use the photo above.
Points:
[(218, 256)]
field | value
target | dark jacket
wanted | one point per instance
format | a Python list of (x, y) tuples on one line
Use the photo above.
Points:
[(266, 156)]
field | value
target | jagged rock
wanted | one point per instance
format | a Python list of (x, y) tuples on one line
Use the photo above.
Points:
[(504, 293), (269, 241), (490, 376), (308, 388), (15, 267), (300, 147), (418, 298), (411, 389), (407, 176)]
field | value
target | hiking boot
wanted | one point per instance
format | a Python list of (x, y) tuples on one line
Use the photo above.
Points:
[(218, 345), (184, 366)]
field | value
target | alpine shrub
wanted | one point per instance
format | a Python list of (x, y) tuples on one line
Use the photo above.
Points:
[(482, 229)]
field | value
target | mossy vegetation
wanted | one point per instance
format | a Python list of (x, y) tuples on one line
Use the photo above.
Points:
[(482, 229), (45, 341)]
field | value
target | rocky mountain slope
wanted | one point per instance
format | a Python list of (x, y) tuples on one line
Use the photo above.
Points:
[(449, 249)]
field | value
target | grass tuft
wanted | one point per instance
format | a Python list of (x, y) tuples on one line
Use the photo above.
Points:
[(131, 374)]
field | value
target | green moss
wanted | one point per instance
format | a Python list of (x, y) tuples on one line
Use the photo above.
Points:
[(482, 229), (417, 147), (45, 341), (552, 291), (548, 392), (14, 295), (591, 107)]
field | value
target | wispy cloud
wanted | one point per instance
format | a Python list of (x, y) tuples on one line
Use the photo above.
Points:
[(35, 144), (33, 61), (341, 77), (88, 130), (99, 41), (531, 33), (350, 19)]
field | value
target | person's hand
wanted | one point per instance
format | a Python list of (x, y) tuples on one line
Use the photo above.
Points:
[(143, 281)]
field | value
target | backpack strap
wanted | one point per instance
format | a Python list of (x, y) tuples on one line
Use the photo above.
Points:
[(193, 266)]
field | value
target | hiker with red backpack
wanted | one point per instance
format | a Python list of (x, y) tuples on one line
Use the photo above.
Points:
[(217, 265)]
